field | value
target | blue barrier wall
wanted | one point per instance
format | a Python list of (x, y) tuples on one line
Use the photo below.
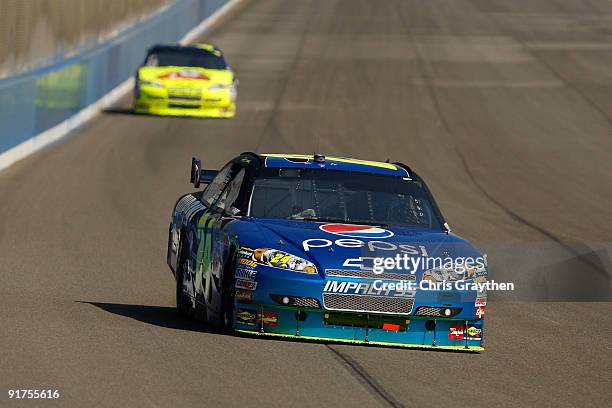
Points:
[(36, 101)]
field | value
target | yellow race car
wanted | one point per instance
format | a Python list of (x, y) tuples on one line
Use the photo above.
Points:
[(191, 80)]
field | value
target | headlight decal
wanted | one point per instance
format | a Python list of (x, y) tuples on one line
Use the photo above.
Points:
[(283, 260), (456, 272), (218, 87), (151, 83)]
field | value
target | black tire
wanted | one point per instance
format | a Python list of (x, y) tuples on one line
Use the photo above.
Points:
[(183, 305), (229, 291), (168, 249)]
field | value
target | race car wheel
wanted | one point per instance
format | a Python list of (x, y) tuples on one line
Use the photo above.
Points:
[(183, 305), (229, 292)]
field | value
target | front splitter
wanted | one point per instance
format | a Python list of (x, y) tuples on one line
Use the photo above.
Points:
[(468, 349)]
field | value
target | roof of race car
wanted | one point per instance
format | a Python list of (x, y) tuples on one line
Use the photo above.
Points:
[(334, 163)]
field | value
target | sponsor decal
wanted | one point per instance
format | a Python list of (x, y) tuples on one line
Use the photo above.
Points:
[(370, 246), (366, 288), (456, 332), (473, 331), (245, 252), (185, 74), (480, 302), (246, 317), (246, 284), (476, 270), (480, 312), (269, 319), (283, 260), (248, 274), (391, 326), (244, 296), (356, 231), (481, 290), (247, 262)]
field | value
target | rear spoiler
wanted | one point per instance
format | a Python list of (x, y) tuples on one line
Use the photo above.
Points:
[(198, 175)]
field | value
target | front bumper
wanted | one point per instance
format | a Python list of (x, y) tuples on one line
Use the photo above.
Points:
[(216, 104), (359, 328), (276, 302)]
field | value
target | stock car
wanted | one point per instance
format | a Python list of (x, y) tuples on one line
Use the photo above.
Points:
[(287, 245), (190, 80)]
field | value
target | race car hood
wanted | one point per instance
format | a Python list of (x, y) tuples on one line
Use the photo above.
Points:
[(185, 77), (341, 246)]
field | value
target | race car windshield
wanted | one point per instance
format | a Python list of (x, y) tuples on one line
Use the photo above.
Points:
[(342, 196), (185, 58)]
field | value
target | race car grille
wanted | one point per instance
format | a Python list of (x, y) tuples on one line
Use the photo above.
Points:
[(306, 302), (366, 320), (184, 106), (184, 94), (296, 301), (184, 98), (364, 303), (436, 311), (369, 275)]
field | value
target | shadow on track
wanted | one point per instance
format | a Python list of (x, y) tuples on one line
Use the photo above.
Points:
[(117, 110), (161, 316)]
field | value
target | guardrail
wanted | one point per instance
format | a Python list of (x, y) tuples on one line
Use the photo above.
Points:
[(41, 106)]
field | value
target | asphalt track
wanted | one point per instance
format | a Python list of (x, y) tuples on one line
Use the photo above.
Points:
[(504, 107)]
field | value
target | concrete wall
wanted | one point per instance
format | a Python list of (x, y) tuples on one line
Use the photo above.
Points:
[(36, 32), (39, 106)]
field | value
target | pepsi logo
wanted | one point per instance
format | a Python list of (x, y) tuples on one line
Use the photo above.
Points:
[(356, 231)]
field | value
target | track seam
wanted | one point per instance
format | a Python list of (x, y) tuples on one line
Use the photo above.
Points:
[(550, 235), (527, 223), (362, 375)]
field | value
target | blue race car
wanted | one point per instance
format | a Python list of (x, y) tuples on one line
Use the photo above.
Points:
[(325, 248)]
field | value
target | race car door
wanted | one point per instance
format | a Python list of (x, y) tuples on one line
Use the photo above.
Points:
[(221, 239), (212, 241), (203, 228)]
